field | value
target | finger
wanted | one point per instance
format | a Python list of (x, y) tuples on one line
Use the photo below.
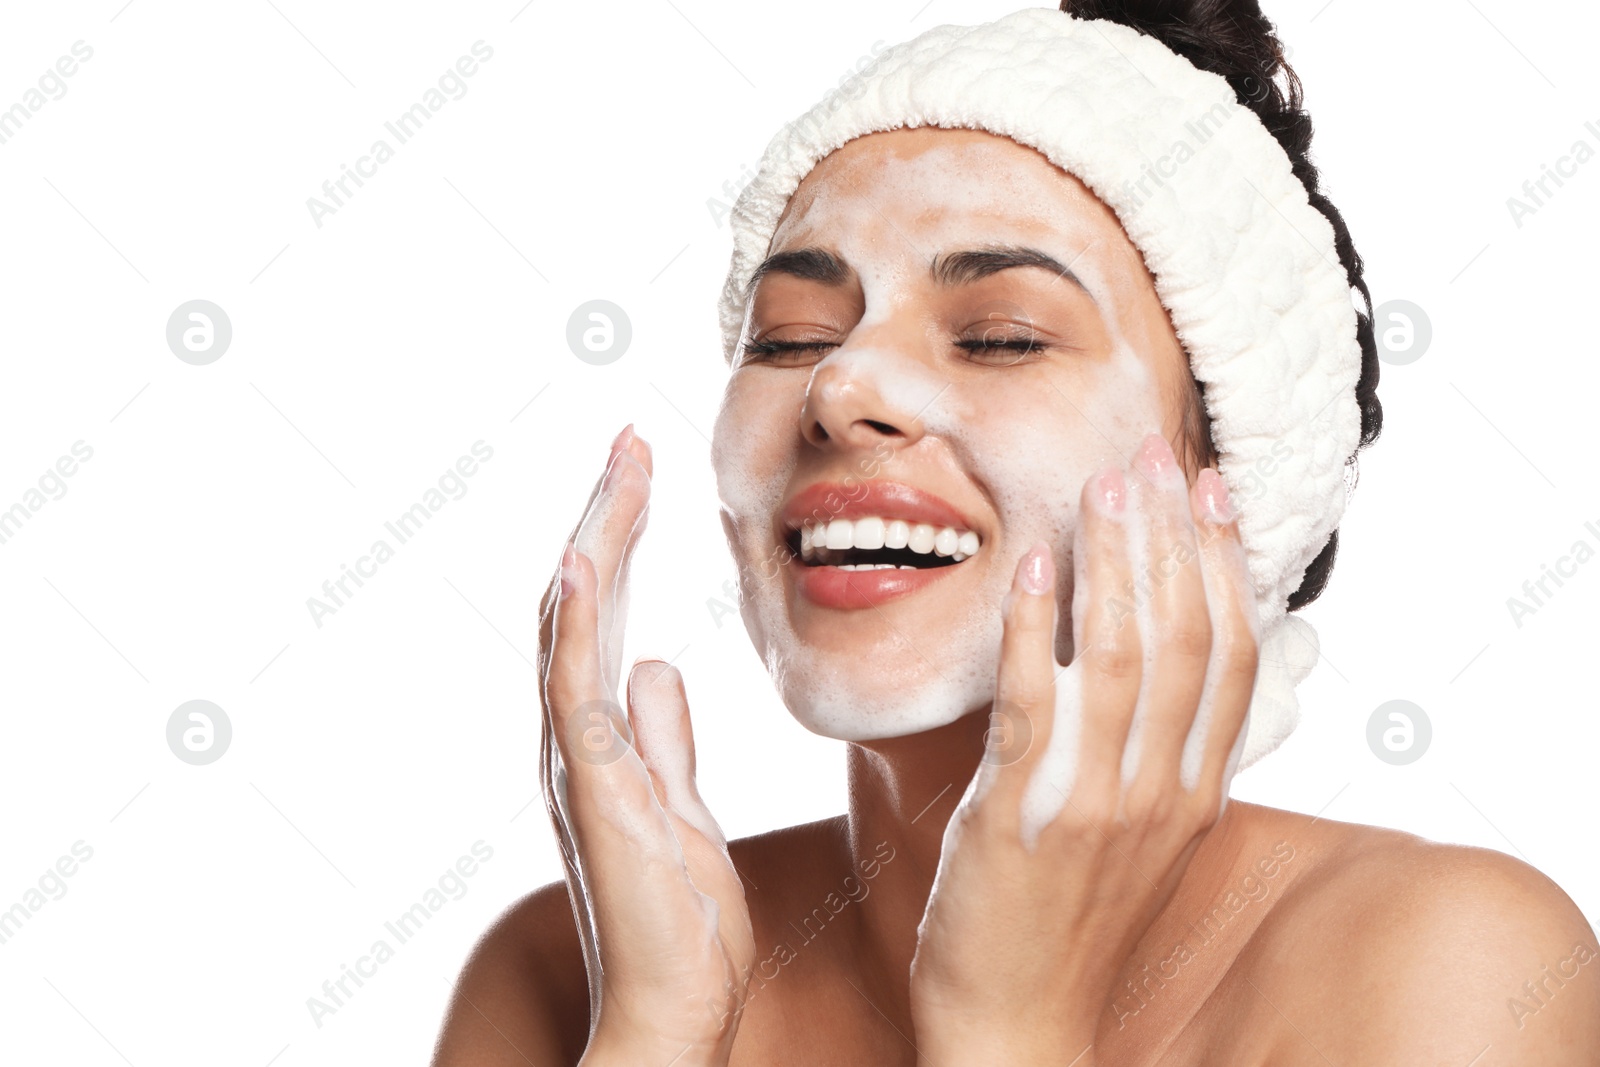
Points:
[(1107, 646), (658, 709), (631, 863), (553, 785), (626, 441), (609, 801), (1235, 647), (1022, 716), (1176, 628), (664, 738), (609, 531), (552, 768), (552, 777)]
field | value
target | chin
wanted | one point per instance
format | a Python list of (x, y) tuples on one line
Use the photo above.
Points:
[(895, 692)]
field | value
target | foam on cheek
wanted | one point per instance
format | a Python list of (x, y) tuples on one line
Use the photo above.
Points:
[(751, 471)]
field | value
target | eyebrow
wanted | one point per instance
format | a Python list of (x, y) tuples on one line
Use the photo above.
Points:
[(956, 268)]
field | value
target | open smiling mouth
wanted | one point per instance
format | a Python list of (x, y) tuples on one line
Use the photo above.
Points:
[(872, 543), (861, 545)]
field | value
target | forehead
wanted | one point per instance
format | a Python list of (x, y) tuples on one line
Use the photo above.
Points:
[(932, 175)]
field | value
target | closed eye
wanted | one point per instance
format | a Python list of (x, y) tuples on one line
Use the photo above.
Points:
[(773, 351), (762, 351), (1013, 344)]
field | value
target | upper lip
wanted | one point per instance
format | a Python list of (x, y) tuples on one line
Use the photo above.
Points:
[(823, 502)]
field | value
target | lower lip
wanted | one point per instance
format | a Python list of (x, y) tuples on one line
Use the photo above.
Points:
[(830, 587)]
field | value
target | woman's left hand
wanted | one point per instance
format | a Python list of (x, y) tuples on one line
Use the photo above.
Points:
[(1072, 835)]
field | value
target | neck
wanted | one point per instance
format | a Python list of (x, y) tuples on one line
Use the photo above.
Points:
[(902, 793)]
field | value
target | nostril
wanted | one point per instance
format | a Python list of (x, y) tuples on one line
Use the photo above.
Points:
[(881, 427)]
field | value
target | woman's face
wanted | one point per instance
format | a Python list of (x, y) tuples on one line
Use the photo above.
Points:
[(899, 413)]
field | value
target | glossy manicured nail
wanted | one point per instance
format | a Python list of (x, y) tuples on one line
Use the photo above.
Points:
[(621, 441), (1155, 456), (1214, 496), (1037, 569), (1110, 491)]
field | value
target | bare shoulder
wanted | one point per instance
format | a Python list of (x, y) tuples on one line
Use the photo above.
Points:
[(788, 853), (522, 996), (1401, 950)]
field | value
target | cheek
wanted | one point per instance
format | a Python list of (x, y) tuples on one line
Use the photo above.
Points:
[(752, 463), (1032, 446)]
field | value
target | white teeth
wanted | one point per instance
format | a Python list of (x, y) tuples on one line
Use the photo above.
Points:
[(869, 533)]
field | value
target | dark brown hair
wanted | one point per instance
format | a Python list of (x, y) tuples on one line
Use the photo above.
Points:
[(1233, 39)]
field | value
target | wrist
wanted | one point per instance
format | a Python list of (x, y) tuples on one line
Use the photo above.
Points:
[(941, 1054), (952, 1030), (608, 1048), (1027, 1042)]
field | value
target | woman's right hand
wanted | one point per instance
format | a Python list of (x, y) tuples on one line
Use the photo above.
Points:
[(660, 908)]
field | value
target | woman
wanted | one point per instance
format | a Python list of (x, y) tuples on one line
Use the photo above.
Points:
[(992, 462)]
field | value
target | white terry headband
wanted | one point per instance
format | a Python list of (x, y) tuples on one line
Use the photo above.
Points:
[(1244, 265)]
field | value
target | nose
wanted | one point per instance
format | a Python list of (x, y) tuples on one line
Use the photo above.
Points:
[(851, 402)]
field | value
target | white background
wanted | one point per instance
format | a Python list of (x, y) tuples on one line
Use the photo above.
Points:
[(429, 312)]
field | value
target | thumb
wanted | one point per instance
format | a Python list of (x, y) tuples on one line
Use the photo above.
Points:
[(658, 709)]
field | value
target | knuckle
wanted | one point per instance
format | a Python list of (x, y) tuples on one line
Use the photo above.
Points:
[(1154, 805), (1239, 656), (1191, 637), (1090, 814), (1033, 615), (1206, 802), (1119, 660)]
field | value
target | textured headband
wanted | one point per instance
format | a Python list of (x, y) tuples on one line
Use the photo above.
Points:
[(1244, 265)]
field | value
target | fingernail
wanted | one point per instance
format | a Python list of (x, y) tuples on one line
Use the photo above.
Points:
[(1214, 497), (1155, 456), (1038, 569), (569, 570), (621, 441), (1111, 490)]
